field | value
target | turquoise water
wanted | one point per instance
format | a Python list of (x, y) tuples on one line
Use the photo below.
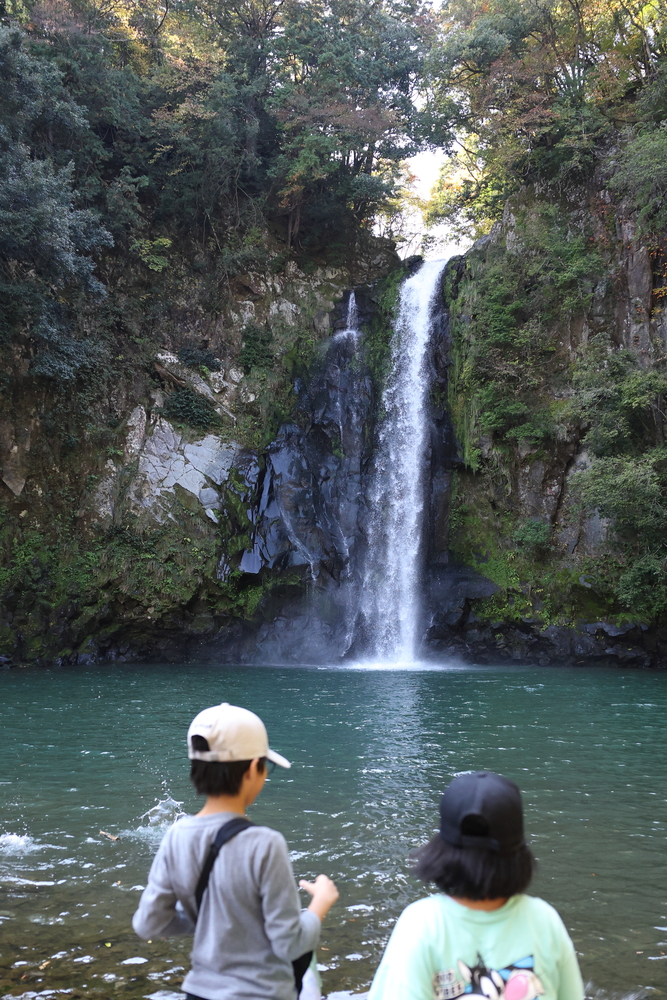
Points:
[(104, 749)]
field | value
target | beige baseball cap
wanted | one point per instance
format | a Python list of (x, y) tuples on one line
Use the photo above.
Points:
[(233, 733)]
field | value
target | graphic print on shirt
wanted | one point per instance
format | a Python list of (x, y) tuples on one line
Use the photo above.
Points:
[(517, 981)]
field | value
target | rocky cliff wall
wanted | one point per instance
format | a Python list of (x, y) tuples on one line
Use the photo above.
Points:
[(183, 490), (554, 316)]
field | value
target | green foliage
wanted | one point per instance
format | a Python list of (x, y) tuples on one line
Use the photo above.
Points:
[(534, 92), (193, 357), (159, 568), (637, 166), (63, 359), (276, 360), (38, 575), (458, 509), (642, 587), (124, 212), (257, 349), (506, 386), (621, 404), (520, 558), (184, 406), (236, 527), (201, 122), (632, 493), (377, 339), (640, 173), (534, 535), (343, 106), (151, 252), (506, 361), (46, 241), (466, 196), (64, 586)]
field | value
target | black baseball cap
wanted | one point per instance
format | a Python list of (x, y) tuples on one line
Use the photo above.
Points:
[(482, 810)]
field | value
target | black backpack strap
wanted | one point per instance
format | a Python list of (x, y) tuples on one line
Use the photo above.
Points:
[(300, 966), (225, 833)]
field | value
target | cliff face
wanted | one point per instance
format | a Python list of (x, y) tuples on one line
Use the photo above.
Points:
[(555, 316), (184, 490)]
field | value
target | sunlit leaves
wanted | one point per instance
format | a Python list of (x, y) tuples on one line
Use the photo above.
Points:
[(621, 405), (539, 87), (640, 172), (507, 362)]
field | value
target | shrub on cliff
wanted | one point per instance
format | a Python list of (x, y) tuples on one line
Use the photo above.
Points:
[(257, 349), (198, 358), (187, 407), (535, 537), (631, 492), (621, 408), (506, 357), (620, 405), (641, 175)]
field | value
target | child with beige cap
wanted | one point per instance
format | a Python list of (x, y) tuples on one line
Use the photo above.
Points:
[(229, 882)]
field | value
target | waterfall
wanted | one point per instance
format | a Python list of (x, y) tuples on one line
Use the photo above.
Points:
[(351, 321), (391, 586)]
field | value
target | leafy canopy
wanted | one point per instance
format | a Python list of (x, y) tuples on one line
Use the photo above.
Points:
[(534, 89)]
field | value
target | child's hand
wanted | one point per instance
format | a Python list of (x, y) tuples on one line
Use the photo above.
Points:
[(324, 894)]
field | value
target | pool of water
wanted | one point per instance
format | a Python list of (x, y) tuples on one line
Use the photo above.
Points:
[(86, 750)]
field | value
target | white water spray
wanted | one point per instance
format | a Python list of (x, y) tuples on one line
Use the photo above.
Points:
[(391, 599), (351, 321)]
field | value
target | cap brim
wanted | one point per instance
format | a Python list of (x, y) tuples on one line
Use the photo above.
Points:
[(276, 758)]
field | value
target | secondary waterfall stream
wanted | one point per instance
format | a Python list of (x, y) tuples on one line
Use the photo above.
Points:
[(391, 598), (352, 319)]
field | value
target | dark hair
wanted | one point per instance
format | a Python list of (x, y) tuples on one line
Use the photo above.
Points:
[(217, 777), (472, 872)]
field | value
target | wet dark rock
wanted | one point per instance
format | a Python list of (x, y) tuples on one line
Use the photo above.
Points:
[(310, 493), (412, 264), (608, 629), (531, 644)]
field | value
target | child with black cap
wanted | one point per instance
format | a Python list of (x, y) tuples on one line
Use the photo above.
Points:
[(484, 937), (230, 883)]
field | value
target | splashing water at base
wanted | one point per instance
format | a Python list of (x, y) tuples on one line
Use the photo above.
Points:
[(156, 821), (390, 607), (13, 844), (163, 813)]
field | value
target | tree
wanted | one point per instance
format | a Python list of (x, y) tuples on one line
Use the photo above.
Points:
[(326, 93), (47, 243), (345, 103), (539, 85)]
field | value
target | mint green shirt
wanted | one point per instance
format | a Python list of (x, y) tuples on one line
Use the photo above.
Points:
[(440, 950)]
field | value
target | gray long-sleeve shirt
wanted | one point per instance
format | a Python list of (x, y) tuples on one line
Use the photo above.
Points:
[(251, 925)]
